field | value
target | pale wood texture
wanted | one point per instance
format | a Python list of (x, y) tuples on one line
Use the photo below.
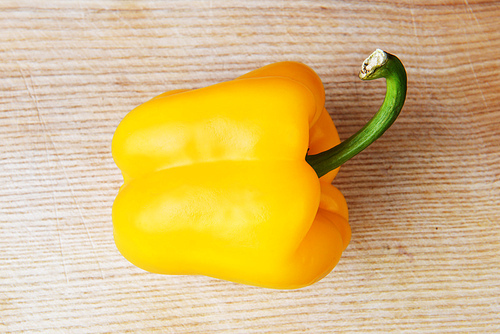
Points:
[(424, 200)]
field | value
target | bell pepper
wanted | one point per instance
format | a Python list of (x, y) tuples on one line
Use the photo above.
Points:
[(233, 181)]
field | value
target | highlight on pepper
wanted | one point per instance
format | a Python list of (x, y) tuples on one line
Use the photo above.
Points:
[(234, 180)]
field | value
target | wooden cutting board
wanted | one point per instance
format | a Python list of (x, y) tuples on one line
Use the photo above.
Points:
[(424, 199)]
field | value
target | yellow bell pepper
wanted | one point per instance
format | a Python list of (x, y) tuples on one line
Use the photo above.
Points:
[(217, 183)]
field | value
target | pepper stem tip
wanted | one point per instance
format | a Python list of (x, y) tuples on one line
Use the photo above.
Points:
[(376, 60)]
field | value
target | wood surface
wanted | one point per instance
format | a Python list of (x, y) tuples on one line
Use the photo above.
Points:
[(424, 199)]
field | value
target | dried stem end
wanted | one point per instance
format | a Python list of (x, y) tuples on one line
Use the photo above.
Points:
[(376, 60)]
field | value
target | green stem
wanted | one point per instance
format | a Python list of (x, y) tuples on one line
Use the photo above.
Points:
[(378, 65)]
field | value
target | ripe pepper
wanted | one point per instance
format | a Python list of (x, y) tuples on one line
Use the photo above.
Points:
[(233, 180)]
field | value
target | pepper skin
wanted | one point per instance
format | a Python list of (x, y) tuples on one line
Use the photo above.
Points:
[(216, 182)]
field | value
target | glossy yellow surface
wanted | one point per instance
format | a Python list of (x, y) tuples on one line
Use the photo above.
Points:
[(216, 182)]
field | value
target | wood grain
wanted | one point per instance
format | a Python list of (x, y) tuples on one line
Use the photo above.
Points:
[(424, 200)]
